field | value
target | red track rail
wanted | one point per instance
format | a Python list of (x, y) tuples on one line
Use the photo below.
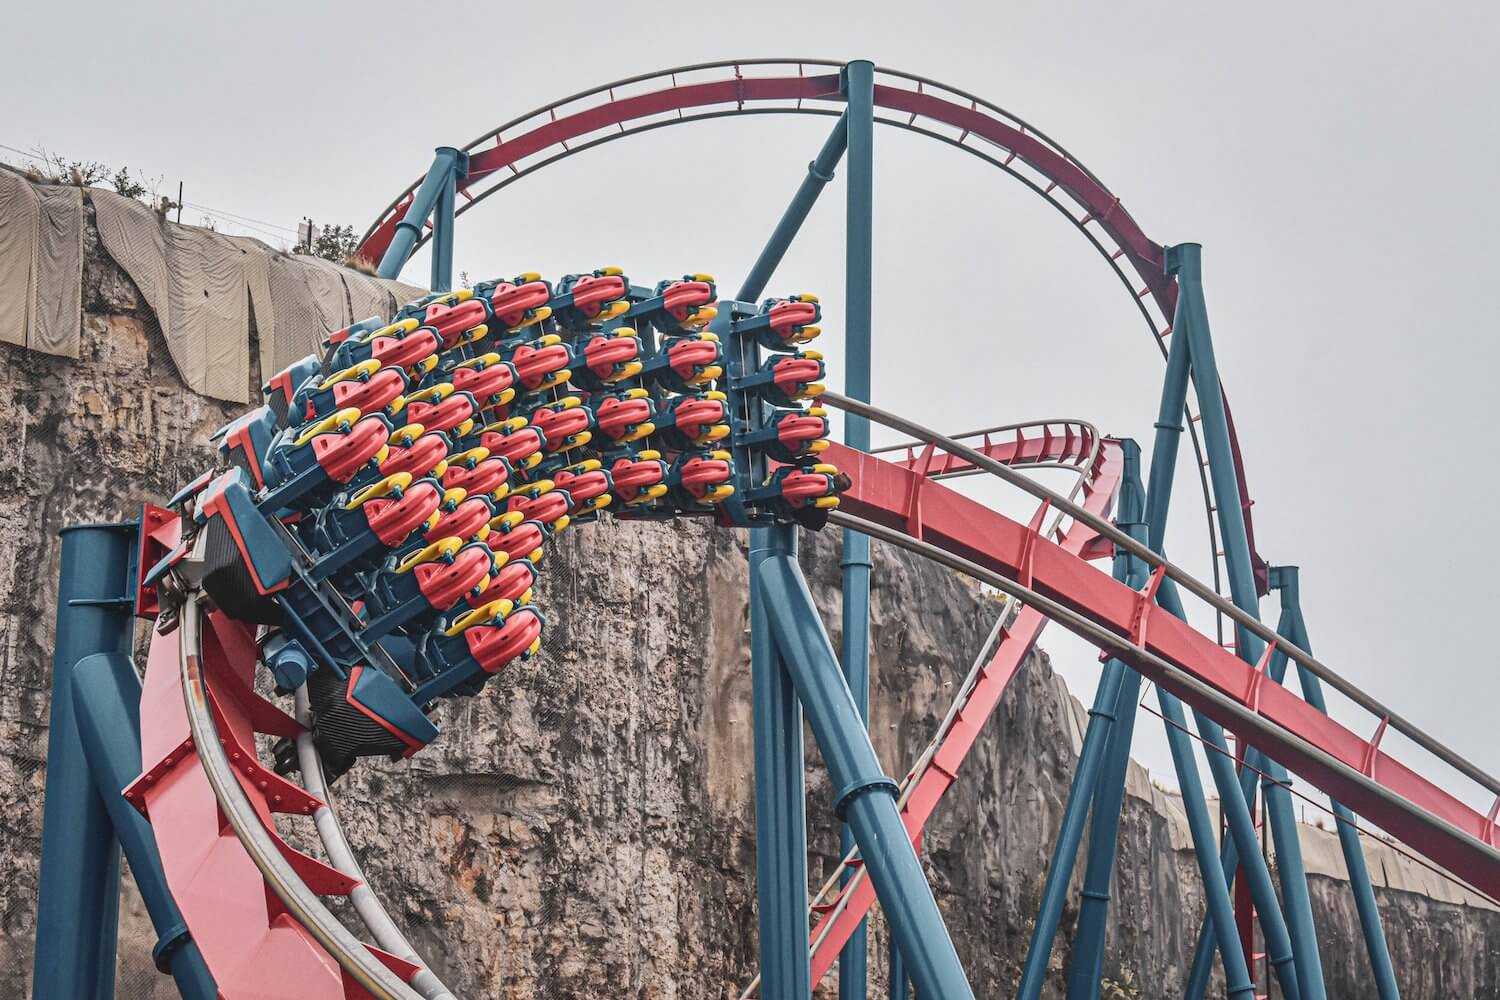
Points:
[(243, 930), (574, 124), (1433, 822), (840, 917), (254, 948)]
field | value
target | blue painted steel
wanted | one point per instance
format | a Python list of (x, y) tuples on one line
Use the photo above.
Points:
[(1284, 579), (865, 796), (1109, 790), (447, 164), (859, 88), (780, 795), (900, 984), (442, 227), (819, 173), (1093, 915), (78, 904), (106, 700), (1185, 261), (1205, 849), (780, 799)]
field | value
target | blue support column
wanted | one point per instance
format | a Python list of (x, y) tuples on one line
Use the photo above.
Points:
[(780, 795), (1093, 915), (1185, 261), (447, 165), (1092, 760), (1284, 579), (78, 907), (107, 705), (819, 173), (900, 984), (865, 796), (859, 85), (443, 217)]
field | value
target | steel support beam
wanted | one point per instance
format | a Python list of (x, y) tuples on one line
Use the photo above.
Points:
[(107, 706), (865, 796), (1185, 261), (819, 173), (1093, 758), (78, 905), (1093, 915), (443, 213), (855, 564), (1284, 580), (780, 795), (448, 165)]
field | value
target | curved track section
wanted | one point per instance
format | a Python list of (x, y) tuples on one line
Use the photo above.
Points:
[(893, 502), (706, 91)]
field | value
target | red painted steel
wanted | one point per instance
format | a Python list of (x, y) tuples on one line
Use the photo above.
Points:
[(236, 922), (1101, 206), (1432, 821), (1101, 487)]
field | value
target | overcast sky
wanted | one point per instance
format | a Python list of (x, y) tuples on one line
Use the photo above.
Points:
[(1336, 166)]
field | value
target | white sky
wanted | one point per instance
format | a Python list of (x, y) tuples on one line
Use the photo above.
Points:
[(1336, 167)]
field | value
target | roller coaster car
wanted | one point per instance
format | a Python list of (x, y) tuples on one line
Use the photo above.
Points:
[(784, 323), (244, 563), (483, 475), (639, 480), (304, 465), (439, 407), (806, 494), (515, 441), (357, 529), (482, 642), (488, 379), (365, 714), (416, 450), (628, 416), (541, 502), (404, 345), (428, 582), (514, 582), (459, 516), (587, 485), (245, 441), (542, 363), (695, 421), (366, 387), (687, 304), (701, 478), (798, 434), (517, 539), (609, 358), (792, 377), (692, 361), (283, 386), (564, 424), (519, 305), (458, 322), (596, 298)]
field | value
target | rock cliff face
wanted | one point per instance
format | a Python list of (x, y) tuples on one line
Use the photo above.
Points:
[(585, 828)]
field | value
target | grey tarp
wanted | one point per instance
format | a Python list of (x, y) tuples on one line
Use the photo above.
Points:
[(204, 285), (19, 211), (41, 264)]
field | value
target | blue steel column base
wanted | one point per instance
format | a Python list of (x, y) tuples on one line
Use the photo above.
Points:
[(896, 874), (858, 82), (780, 792), (106, 695), (78, 904)]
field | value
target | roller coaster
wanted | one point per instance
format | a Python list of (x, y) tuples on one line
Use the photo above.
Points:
[(371, 541)]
